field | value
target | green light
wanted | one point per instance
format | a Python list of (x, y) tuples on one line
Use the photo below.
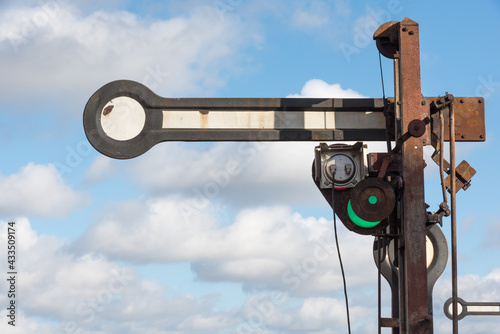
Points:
[(358, 221), (372, 200)]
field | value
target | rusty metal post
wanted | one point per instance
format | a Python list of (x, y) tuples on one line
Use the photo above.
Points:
[(413, 277)]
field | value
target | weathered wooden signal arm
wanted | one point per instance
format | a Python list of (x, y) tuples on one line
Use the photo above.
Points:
[(116, 107)]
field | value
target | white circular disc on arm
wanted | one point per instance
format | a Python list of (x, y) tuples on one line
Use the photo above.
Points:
[(123, 118)]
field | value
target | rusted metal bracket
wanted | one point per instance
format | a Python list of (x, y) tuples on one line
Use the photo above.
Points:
[(469, 118), (437, 217), (389, 322), (416, 128), (464, 172)]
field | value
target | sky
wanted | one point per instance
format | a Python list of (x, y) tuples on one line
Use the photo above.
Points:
[(160, 243)]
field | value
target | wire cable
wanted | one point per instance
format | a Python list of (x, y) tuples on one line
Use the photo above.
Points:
[(388, 141), (341, 265), (389, 149), (381, 76)]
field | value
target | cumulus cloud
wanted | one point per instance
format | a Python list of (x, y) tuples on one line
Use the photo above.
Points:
[(175, 56), (263, 248), (312, 15), (315, 314), (317, 88), (240, 174), (101, 167), (92, 293), (492, 239), (88, 292), (237, 174), (38, 190)]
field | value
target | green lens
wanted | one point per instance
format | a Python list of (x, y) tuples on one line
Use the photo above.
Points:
[(358, 221), (372, 200)]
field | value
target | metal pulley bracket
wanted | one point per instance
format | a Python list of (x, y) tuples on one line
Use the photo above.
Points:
[(386, 38)]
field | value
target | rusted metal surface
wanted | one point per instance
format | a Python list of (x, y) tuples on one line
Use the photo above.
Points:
[(386, 38), (463, 173), (389, 322), (375, 161), (415, 314), (373, 199), (469, 120)]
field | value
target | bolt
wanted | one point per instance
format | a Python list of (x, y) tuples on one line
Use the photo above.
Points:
[(480, 101), (462, 101), (404, 29), (481, 136), (425, 141), (463, 136), (410, 32), (398, 103), (423, 103)]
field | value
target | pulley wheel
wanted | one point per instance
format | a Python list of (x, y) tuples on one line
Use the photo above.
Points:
[(372, 199)]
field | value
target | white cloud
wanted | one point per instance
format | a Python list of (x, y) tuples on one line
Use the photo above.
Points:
[(91, 293), (62, 290), (240, 174), (101, 167), (314, 314), (269, 248), (491, 238), (317, 88), (176, 56), (38, 190), (312, 15)]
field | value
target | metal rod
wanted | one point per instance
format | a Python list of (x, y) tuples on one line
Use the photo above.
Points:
[(379, 285), (454, 287), (397, 98), (441, 155)]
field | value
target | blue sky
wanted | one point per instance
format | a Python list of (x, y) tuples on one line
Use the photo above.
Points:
[(109, 246)]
